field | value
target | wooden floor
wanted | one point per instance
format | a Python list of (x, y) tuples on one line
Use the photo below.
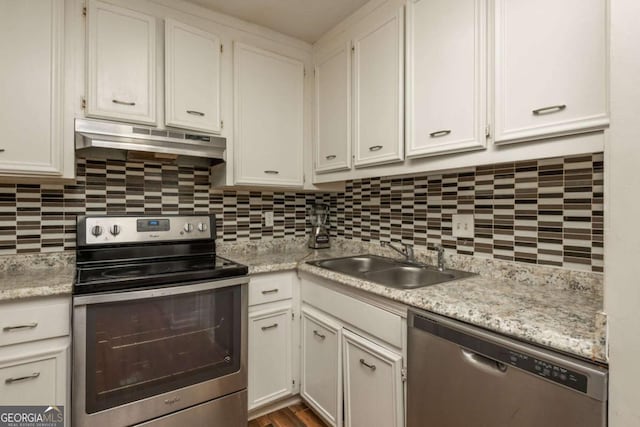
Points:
[(298, 415)]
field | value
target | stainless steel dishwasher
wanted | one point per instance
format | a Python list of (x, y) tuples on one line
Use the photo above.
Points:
[(464, 376)]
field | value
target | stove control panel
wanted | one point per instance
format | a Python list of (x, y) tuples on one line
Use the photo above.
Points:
[(97, 230)]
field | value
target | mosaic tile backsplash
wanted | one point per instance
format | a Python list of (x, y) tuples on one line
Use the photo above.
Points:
[(546, 211), (41, 218)]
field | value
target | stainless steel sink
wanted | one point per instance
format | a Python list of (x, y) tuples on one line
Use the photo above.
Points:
[(390, 272), (356, 264)]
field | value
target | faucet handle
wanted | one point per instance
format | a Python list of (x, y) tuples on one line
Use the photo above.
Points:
[(408, 249)]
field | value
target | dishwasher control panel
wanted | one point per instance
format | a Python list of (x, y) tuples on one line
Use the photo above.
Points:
[(548, 370)]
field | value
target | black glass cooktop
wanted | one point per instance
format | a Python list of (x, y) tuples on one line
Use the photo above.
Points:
[(99, 277)]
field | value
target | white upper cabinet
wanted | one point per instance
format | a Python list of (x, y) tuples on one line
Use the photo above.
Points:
[(333, 109), (121, 58), (378, 92), (550, 68), (31, 85), (268, 119), (192, 78), (446, 78)]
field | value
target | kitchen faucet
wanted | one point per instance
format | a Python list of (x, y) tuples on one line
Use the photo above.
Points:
[(406, 251), (440, 250)]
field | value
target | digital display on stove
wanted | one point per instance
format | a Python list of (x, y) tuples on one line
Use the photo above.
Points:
[(153, 225)]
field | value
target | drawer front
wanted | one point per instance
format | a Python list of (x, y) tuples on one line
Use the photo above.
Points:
[(366, 317), (270, 287), (32, 383), (31, 321)]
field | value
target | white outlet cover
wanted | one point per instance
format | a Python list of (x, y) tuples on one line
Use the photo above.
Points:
[(463, 225), (268, 219)]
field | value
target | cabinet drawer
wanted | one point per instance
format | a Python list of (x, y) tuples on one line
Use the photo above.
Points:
[(31, 321), (32, 383), (366, 317), (270, 287)]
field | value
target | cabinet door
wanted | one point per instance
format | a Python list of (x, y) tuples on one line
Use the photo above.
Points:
[(268, 118), (333, 110), (270, 373), (192, 78), (31, 37), (321, 366), (121, 69), (38, 376), (373, 384), (446, 79), (550, 68), (378, 92)]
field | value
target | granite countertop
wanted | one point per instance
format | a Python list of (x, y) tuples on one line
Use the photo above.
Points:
[(36, 275), (553, 312), (556, 308)]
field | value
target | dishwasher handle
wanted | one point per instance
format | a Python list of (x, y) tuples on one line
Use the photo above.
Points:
[(483, 363)]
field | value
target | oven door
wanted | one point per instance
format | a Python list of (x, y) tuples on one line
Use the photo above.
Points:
[(139, 355)]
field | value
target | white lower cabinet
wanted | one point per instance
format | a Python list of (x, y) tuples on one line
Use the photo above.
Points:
[(274, 340), (270, 356), (34, 352), (321, 367), (37, 377), (373, 389), (352, 357)]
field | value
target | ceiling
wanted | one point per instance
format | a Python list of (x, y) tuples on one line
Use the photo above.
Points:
[(306, 20)]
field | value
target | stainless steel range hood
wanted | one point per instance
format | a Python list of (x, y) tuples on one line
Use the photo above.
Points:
[(95, 138)]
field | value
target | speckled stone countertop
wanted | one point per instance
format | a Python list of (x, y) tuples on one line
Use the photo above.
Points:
[(39, 275), (555, 308)]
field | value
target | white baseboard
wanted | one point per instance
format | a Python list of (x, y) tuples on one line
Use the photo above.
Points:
[(272, 407)]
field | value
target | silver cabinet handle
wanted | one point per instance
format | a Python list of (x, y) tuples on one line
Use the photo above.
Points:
[(195, 113), (319, 335), (269, 291), (117, 101), (363, 363), (172, 400), (1, 150), (549, 109), (19, 379), (438, 133), (375, 148), (330, 157), (266, 328), (20, 327), (271, 172)]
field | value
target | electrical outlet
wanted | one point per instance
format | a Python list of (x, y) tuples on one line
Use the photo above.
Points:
[(268, 219), (462, 225)]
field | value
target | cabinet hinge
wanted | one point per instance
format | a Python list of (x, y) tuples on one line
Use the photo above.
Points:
[(83, 104), (487, 131), (221, 48), (293, 315), (403, 374), (84, 10), (221, 124), (353, 48), (304, 72), (293, 382)]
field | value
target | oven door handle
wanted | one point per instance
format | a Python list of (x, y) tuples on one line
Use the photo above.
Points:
[(80, 300)]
